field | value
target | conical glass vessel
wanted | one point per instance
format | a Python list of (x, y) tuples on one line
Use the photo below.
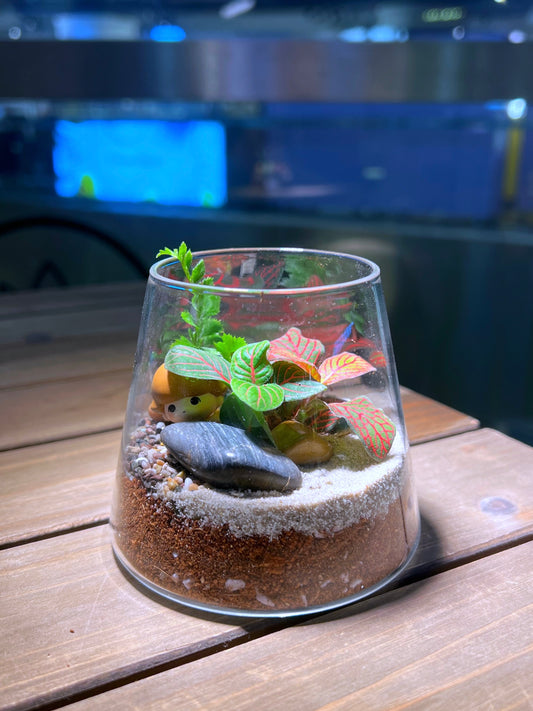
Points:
[(264, 465)]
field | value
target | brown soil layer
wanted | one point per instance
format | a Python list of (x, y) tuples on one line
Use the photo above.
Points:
[(254, 573)]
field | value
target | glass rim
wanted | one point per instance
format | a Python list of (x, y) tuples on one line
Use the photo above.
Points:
[(373, 274)]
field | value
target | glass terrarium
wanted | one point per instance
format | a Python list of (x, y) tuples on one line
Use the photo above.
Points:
[(264, 466)]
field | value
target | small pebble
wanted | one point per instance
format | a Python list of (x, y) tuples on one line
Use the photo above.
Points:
[(233, 584), (264, 600)]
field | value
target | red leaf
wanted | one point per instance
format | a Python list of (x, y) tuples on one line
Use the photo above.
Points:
[(319, 417), (314, 280), (377, 358), (369, 423), (343, 366), (305, 349)]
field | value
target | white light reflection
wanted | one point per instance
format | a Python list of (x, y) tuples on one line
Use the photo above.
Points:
[(235, 8), (516, 36), (458, 32), (377, 33), (353, 34), (516, 109), (382, 33), (14, 33)]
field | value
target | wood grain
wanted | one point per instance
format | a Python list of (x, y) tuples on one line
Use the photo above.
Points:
[(56, 486), (475, 495), (48, 406), (61, 359), (66, 408), (427, 419), (482, 476), (460, 640), (70, 620), (71, 581), (65, 312)]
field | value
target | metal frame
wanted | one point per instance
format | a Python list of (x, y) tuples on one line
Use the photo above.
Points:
[(266, 70)]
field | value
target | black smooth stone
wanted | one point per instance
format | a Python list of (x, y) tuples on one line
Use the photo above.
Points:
[(226, 457)]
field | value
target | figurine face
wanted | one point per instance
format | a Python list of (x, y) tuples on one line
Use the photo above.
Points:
[(179, 399), (197, 407)]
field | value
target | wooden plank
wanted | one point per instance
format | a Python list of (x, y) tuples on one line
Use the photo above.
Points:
[(40, 328), (56, 486), (475, 495), (71, 581), (45, 315), (84, 401), (459, 640), (484, 476), (427, 419), (71, 298), (70, 620), (59, 409), (62, 359)]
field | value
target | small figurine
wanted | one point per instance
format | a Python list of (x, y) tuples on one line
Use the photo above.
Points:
[(180, 399)]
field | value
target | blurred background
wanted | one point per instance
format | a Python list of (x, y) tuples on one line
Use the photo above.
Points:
[(395, 130)]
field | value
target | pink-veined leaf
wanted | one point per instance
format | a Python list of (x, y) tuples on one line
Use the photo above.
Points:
[(286, 372), (305, 349), (249, 363), (295, 383), (314, 280), (343, 366), (319, 417), (271, 274), (260, 398), (196, 363), (377, 358), (282, 354), (369, 423)]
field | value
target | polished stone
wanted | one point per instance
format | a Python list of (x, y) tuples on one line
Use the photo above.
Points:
[(226, 457)]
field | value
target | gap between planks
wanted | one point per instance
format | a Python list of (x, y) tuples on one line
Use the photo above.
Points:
[(50, 583), (459, 640), (56, 487), (97, 401)]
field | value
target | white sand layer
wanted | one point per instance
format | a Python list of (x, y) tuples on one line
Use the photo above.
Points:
[(342, 492)]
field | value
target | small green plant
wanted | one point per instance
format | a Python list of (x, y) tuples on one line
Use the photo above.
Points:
[(271, 381), (205, 330), (289, 372)]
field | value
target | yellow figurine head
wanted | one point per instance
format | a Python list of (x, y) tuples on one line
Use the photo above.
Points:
[(180, 399)]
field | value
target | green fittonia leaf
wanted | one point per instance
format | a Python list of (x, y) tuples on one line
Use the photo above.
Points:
[(370, 424), (259, 397), (195, 363), (251, 373), (319, 417), (250, 363)]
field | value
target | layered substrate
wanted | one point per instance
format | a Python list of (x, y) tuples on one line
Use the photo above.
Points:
[(350, 525)]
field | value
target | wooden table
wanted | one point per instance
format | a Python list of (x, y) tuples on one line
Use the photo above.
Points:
[(454, 633)]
